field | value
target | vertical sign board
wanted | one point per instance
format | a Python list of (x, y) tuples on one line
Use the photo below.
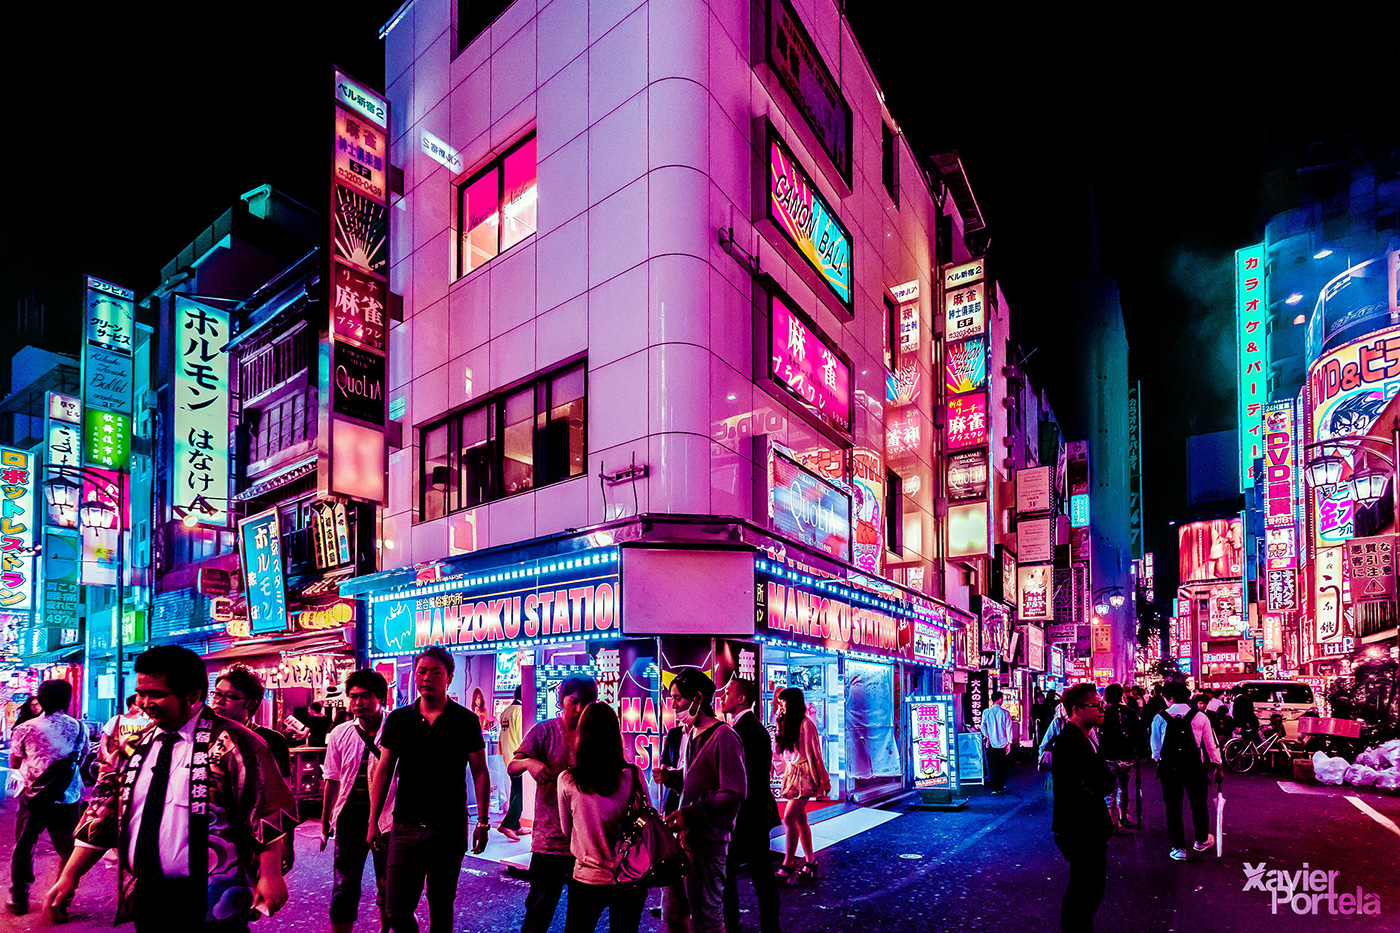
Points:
[(109, 332), (1372, 568), (63, 415), (1327, 594), (264, 576), (200, 478), (353, 363), (18, 526), (1279, 467), (1251, 319), (1135, 468), (964, 300), (62, 557), (934, 757)]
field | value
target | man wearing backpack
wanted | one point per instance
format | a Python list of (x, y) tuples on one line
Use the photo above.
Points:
[(1119, 741), (1183, 743)]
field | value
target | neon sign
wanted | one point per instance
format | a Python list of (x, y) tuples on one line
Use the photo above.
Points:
[(967, 421), (805, 219), (808, 367), (1251, 310)]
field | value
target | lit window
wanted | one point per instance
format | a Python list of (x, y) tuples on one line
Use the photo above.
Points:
[(496, 207)]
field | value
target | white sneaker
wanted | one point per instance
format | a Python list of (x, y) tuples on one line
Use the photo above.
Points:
[(1179, 854), (1207, 845)]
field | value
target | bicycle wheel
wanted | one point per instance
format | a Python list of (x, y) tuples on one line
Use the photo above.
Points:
[(1240, 755)]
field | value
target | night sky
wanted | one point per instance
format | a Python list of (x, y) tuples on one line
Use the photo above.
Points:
[(132, 129)]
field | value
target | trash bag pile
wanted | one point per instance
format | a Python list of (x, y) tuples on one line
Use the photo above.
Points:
[(1375, 767)]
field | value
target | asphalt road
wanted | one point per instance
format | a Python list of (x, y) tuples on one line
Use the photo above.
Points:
[(990, 867)]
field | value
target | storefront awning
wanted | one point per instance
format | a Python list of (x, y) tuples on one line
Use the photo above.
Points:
[(317, 643), (294, 472), (322, 587)]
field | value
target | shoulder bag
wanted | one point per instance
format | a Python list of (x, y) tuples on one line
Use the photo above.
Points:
[(647, 853)]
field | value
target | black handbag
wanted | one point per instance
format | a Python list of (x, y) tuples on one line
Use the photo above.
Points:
[(50, 786), (647, 853)]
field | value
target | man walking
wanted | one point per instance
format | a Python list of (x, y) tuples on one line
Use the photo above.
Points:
[(1119, 743), (46, 752), (1183, 743), (432, 743), (237, 695), (352, 757), (996, 735), (122, 726), (711, 793), (1080, 822), (758, 814), (196, 806), (547, 750)]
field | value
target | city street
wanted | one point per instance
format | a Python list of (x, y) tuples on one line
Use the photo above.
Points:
[(992, 866)]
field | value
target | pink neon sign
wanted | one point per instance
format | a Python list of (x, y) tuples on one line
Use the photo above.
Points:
[(808, 368)]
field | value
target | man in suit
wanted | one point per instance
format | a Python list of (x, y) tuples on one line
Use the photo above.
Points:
[(758, 814), (1081, 823)]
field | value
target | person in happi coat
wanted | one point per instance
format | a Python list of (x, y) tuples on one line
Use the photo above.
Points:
[(195, 806)]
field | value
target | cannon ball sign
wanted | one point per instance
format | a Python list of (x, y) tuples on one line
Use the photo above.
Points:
[(809, 368), (802, 214)]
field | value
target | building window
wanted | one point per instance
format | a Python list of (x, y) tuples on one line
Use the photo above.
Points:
[(530, 436), (891, 332), (496, 207), (894, 512), (889, 161), (269, 367), (471, 17), (282, 424)]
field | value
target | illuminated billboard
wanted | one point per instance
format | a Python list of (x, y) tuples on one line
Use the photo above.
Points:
[(965, 365), (18, 526), (811, 369), (797, 209), (1211, 550), (808, 507), (264, 574), (968, 534), (200, 485), (1251, 320), (964, 300), (1033, 587), (1348, 389), (1280, 471), (967, 421)]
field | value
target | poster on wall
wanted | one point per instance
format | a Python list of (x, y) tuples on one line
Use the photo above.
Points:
[(629, 681)]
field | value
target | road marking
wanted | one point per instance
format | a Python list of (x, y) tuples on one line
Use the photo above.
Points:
[(1375, 814), (1288, 787)]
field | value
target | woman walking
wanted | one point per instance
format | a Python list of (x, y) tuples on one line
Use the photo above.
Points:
[(804, 777), (594, 797)]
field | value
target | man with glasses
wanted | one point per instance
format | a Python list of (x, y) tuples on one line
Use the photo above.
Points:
[(237, 695), (432, 743), (547, 750), (1081, 823)]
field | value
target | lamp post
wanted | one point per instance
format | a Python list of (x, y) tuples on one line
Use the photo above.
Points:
[(65, 494)]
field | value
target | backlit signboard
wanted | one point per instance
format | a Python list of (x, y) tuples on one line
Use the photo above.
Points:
[(808, 507), (1034, 492), (1282, 589), (799, 210), (104, 495), (360, 154), (967, 421), (968, 530), (965, 365), (1079, 510), (107, 440), (1349, 388), (19, 524), (264, 575), (1033, 587), (359, 310), (1371, 568), (111, 317), (794, 59), (1327, 593), (967, 475), (1279, 469), (1280, 549), (1251, 320), (441, 153), (933, 644), (554, 598), (361, 234), (201, 426), (361, 100), (62, 560), (934, 755), (1211, 550), (62, 452), (808, 367), (964, 300)]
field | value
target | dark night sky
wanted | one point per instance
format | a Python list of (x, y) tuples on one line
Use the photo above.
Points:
[(132, 132)]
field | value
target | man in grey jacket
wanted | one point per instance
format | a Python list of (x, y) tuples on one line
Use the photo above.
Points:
[(711, 792)]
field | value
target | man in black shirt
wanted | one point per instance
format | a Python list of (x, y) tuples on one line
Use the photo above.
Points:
[(1080, 820), (237, 695), (432, 743)]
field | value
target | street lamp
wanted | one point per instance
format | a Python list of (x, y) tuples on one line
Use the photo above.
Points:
[(97, 514)]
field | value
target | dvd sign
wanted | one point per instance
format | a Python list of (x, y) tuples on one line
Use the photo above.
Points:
[(358, 384)]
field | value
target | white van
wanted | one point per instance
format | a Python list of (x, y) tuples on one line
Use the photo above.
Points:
[(1287, 698)]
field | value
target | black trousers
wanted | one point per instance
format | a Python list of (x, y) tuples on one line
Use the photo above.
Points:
[(1194, 787), (750, 846), (1088, 876), (418, 856), (624, 903), (996, 768), (548, 876), (351, 848), (163, 905), (31, 820)]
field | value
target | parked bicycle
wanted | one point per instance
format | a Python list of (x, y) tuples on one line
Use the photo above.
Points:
[(1243, 752)]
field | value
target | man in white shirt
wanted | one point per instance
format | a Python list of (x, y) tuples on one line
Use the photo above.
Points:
[(352, 757), (197, 809), (1182, 759), (996, 735), (123, 726)]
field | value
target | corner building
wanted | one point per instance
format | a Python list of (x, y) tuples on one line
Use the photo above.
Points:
[(661, 298)]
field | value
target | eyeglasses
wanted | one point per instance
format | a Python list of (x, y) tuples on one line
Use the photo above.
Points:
[(1093, 704), (229, 697)]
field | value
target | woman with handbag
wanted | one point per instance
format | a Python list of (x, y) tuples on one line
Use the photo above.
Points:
[(804, 778), (596, 798)]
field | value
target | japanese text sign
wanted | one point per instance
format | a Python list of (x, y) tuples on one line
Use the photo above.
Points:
[(110, 319), (1372, 566), (201, 422), (358, 314), (964, 300), (967, 475), (1251, 318), (796, 208), (799, 67), (965, 365), (1282, 586), (1327, 593), (931, 733), (358, 98), (1280, 480), (833, 616), (263, 573), (107, 439), (808, 367), (18, 527), (967, 421), (360, 154)]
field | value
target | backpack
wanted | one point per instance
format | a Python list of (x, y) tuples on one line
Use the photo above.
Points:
[(1118, 733), (1181, 756)]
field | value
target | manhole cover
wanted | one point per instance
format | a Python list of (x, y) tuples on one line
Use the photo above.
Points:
[(912, 856)]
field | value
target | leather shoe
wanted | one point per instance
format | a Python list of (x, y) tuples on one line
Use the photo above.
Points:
[(18, 908)]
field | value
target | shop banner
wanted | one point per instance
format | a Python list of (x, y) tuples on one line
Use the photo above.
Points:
[(19, 525), (63, 417), (548, 600), (964, 292), (808, 366), (62, 559), (807, 506), (629, 681), (1280, 479), (797, 209), (260, 540), (934, 754), (1033, 490), (1372, 568), (1251, 318), (933, 643), (201, 422), (1282, 588), (103, 517), (1280, 548), (830, 615)]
